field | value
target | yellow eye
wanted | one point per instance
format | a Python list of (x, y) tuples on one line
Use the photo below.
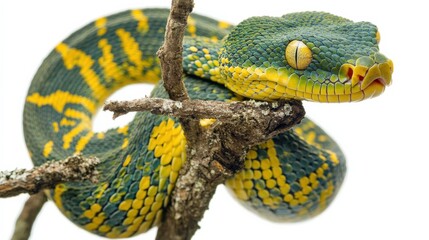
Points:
[(377, 37), (298, 55)]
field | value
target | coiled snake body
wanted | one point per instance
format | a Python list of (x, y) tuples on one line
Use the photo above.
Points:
[(309, 56)]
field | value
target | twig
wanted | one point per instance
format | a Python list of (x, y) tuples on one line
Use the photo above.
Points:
[(25, 221), (76, 168), (193, 109), (170, 56), (170, 53)]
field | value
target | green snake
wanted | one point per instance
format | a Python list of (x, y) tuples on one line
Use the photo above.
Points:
[(307, 56)]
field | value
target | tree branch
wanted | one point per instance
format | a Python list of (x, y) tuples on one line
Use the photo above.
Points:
[(170, 53), (194, 109), (25, 221), (76, 168)]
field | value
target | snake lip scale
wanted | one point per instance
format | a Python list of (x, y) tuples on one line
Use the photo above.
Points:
[(312, 56)]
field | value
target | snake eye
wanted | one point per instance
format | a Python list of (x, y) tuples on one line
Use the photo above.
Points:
[(298, 55), (377, 37)]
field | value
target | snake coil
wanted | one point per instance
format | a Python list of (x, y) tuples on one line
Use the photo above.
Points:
[(309, 56)]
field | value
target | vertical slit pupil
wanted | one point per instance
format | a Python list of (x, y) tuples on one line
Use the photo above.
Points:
[(296, 55)]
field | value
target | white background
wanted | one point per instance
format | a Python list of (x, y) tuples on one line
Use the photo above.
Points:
[(385, 194)]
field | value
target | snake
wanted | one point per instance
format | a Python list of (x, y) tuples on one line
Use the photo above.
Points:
[(312, 56)]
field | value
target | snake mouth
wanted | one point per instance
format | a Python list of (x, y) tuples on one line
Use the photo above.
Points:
[(364, 76), (374, 88), (364, 80)]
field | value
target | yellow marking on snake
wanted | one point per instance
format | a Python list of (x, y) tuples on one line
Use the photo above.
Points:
[(59, 190), (224, 25), (59, 99), (73, 57), (325, 194), (143, 21), (123, 130), (100, 135), (68, 138), (168, 142), (130, 47), (81, 144), (110, 68), (67, 122), (94, 216), (311, 136), (98, 193), (48, 148), (127, 161), (55, 127), (72, 113), (101, 25), (135, 55), (191, 27), (333, 156), (125, 143), (85, 124)]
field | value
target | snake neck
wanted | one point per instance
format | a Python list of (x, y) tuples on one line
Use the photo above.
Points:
[(201, 58)]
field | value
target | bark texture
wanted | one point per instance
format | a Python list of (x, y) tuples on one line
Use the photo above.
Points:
[(75, 168)]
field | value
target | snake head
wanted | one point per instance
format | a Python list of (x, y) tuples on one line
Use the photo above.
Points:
[(308, 56)]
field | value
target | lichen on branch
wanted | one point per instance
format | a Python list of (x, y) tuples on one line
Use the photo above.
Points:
[(47, 175)]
